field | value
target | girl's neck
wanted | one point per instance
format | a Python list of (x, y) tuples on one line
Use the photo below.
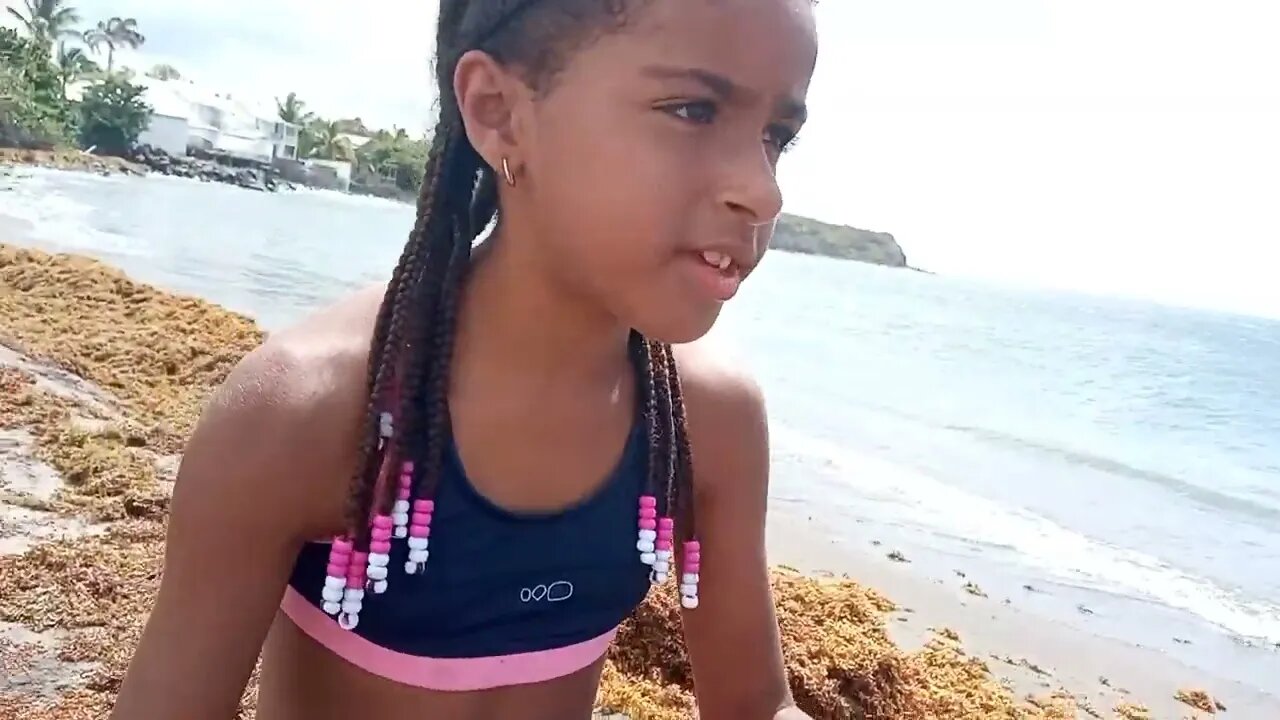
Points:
[(512, 311)]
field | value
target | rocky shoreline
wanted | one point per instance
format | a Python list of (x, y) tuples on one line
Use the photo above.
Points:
[(145, 159), (101, 422)]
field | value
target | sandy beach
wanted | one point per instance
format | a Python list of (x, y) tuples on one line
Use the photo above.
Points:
[(102, 378)]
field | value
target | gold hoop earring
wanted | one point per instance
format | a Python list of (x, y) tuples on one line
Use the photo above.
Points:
[(506, 173)]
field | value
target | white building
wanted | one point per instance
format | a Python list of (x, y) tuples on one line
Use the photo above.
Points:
[(188, 117)]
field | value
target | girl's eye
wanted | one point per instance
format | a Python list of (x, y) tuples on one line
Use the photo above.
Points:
[(700, 112), (780, 137)]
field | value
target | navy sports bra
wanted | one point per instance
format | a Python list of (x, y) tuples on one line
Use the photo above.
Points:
[(506, 598)]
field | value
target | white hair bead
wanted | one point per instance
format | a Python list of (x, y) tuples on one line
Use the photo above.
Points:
[(648, 558), (353, 594), (417, 543), (690, 589), (378, 560), (689, 602), (664, 555), (333, 608), (659, 578), (690, 578), (379, 587), (352, 607), (332, 594), (401, 532), (419, 556), (410, 567), (650, 535), (337, 583), (661, 566), (378, 572), (645, 546), (349, 621), (401, 506)]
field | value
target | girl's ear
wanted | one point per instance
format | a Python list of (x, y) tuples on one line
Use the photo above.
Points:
[(489, 97)]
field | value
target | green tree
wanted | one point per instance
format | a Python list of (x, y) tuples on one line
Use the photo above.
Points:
[(112, 115), (115, 33), (47, 20), (396, 156), (34, 111), (73, 65), (326, 142), (164, 72), (293, 110)]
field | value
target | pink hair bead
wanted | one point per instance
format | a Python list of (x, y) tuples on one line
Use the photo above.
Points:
[(382, 547), (420, 531), (647, 524), (404, 493), (341, 546), (648, 501), (420, 518), (382, 521), (691, 567), (648, 513), (406, 481), (424, 506), (381, 534), (335, 570), (692, 557), (407, 467), (358, 561), (663, 544), (355, 582), (667, 524), (692, 546)]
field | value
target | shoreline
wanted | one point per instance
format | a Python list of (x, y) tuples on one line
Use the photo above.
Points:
[(125, 530), (985, 628), (1034, 655)]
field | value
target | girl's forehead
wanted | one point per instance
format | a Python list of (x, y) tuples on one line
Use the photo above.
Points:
[(769, 46)]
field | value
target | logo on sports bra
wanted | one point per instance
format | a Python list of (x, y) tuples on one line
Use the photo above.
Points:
[(555, 592)]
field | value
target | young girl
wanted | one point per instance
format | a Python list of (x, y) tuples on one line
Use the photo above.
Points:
[(530, 452)]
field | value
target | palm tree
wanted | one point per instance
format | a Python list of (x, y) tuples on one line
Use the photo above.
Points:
[(292, 110), (114, 33), (47, 20), (328, 143), (73, 64)]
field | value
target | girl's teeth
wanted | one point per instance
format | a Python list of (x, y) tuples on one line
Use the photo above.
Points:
[(715, 259)]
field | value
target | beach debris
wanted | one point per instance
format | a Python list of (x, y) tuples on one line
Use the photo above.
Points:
[(1133, 711), (1102, 680), (1180, 641), (959, 573), (1030, 588), (1084, 610), (1200, 700), (876, 543), (973, 589), (947, 633), (1034, 667), (898, 557)]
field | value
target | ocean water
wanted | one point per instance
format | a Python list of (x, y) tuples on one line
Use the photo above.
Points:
[(1119, 457)]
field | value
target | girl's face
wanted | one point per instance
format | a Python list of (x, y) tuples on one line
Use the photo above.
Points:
[(650, 164)]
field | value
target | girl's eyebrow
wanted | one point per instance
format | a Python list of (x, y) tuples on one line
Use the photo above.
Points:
[(726, 90)]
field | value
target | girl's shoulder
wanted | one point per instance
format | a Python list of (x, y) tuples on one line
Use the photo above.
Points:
[(284, 424), (725, 406)]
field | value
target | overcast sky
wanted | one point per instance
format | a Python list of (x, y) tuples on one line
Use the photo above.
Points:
[(1120, 146)]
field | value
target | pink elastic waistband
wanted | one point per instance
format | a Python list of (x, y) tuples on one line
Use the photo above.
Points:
[(447, 674)]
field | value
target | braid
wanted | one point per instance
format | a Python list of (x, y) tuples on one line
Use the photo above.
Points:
[(682, 477), (664, 427)]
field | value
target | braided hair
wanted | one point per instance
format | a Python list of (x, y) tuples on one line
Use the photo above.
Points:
[(408, 375)]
